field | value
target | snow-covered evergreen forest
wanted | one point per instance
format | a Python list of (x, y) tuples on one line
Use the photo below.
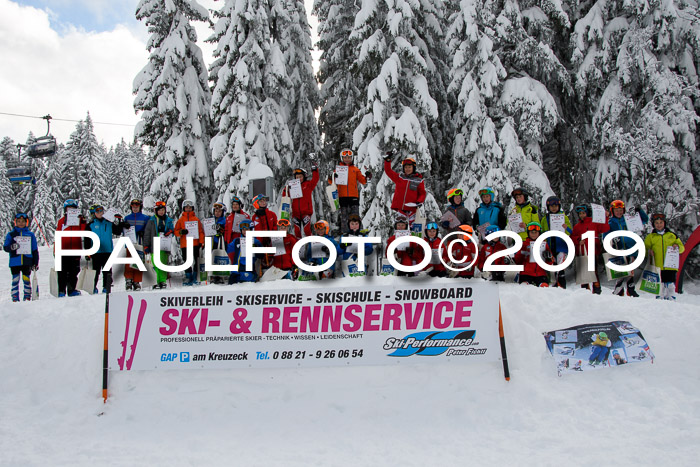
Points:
[(591, 100)]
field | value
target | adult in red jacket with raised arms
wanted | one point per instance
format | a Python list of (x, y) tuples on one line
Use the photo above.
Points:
[(410, 188)]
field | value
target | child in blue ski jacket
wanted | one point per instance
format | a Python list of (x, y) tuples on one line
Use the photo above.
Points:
[(489, 211), (138, 221), (104, 230), (20, 262), (237, 252), (350, 250), (617, 222), (317, 253)]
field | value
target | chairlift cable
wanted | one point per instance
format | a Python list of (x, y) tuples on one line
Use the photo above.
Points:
[(64, 119)]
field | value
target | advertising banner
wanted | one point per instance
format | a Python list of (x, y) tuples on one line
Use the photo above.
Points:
[(593, 346), (260, 327)]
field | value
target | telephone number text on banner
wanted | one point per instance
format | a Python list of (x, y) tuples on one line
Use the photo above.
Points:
[(256, 327)]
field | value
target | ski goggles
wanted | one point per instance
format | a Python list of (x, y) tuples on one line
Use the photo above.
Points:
[(517, 192), (408, 161), (245, 224), (454, 192), (486, 191), (431, 225), (218, 206), (136, 202), (160, 204), (236, 199), (532, 227), (582, 208), (322, 225), (96, 208), (283, 223), (617, 204), (187, 203), (21, 215), (346, 152), (658, 216), (553, 201)]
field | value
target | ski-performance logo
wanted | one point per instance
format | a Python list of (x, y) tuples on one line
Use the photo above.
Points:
[(428, 343)]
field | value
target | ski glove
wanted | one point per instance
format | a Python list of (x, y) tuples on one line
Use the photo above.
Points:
[(445, 224), (388, 156), (219, 229), (117, 220), (368, 175), (35, 267), (184, 232), (14, 246)]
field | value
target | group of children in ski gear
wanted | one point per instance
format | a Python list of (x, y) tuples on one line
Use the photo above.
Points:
[(456, 222)]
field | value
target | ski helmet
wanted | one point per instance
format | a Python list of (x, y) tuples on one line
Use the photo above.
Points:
[(236, 199), (218, 205), (466, 228), (96, 208), (617, 204), (136, 202), (400, 220), (487, 191), (300, 171), (520, 191), (491, 229), (409, 161), (257, 199), (602, 335), (584, 208), (553, 201), (160, 204), (658, 216), (21, 215), (534, 226), (186, 203), (323, 225), (454, 192), (70, 203)]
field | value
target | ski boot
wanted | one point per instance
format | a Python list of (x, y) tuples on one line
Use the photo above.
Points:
[(596, 288), (129, 284), (631, 292), (188, 279), (136, 286), (619, 289), (75, 293), (61, 294), (96, 291)]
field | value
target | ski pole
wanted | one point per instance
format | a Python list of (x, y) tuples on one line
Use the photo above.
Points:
[(105, 362), (506, 371)]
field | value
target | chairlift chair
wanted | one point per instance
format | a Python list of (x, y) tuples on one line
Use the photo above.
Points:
[(44, 146), (20, 175)]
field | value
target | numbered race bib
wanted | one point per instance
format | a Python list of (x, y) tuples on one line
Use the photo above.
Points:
[(672, 258), (435, 256)]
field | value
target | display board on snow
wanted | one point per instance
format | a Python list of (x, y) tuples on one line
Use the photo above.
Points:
[(594, 346)]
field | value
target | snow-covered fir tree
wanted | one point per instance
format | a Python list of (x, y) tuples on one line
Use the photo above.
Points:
[(173, 95), (7, 195), (641, 59), (303, 97), (397, 106), (83, 175), (48, 200), (250, 83), (341, 84)]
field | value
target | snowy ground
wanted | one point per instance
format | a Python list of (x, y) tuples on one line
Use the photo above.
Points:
[(51, 410)]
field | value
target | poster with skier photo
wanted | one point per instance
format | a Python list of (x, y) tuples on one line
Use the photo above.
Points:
[(594, 346)]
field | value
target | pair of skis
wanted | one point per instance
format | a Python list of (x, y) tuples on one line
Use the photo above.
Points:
[(142, 311)]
